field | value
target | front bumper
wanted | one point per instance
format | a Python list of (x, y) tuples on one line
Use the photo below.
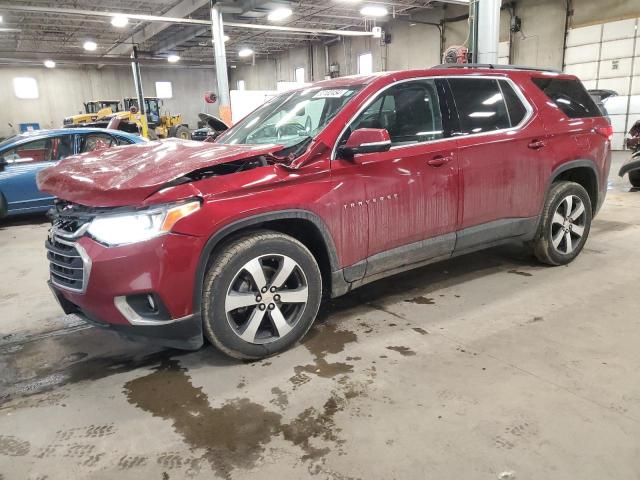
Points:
[(164, 268)]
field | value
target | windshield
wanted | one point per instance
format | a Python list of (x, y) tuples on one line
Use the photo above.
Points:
[(291, 118)]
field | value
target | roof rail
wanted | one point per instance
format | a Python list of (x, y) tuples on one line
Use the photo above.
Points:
[(492, 66)]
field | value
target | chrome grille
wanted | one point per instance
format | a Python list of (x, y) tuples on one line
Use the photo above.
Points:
[(69, 264)]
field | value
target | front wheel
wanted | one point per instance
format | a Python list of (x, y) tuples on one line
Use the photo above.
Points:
[(565, 224), (634, 178), (261, 295), (180, 131)]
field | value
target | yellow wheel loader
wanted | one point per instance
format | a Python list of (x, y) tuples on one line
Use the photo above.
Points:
[(93, 110), (158, 126)]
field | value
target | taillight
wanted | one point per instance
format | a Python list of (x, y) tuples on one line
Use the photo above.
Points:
[(606, 132)]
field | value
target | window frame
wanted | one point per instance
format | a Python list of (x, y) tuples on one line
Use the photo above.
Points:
[(454, 136)]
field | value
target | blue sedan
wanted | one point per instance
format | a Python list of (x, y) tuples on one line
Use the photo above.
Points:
[(23, 156)]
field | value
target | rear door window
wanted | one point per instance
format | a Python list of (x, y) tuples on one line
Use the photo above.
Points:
[(570, 96), (480, 104)]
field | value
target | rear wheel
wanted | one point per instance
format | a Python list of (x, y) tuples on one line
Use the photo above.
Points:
[(261, 295), (565, 224), (634, 178), (179, 131)]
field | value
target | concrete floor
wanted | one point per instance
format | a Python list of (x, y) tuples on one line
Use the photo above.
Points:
[(489, 366)]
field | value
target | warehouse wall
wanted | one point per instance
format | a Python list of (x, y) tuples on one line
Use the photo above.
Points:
[(539, 44), (63, 90)]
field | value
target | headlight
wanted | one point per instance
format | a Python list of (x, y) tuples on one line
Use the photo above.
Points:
[(140, 226)]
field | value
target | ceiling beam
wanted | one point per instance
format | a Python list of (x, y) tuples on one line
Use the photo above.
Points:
[(176, 20), (36, 59), (182, 9)]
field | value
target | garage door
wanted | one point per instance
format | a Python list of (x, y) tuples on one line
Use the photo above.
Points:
[(607, 56)]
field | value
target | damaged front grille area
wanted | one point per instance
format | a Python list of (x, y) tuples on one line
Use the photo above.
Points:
[(69, 264)]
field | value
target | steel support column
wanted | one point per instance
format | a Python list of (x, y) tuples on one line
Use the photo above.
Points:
[(217, 34), (488, 30), (137, 81)]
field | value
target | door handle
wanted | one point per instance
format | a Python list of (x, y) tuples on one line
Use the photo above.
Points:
[(439, 160), (537, 145)]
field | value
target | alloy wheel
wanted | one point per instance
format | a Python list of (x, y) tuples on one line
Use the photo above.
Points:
[(568, 224), (266, 298)]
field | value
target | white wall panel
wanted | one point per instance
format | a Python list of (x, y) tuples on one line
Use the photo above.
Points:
[(584, 35), (619, 30), (634, 104), (617, 49), (617, 143), (584, 71), (618, 67), (619, 123), (635, 86), (616, 105), (590, 84), (582, 54), (636, 64), (620, 85)]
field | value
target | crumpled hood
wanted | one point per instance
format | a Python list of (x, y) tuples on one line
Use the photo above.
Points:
[(127, 175)]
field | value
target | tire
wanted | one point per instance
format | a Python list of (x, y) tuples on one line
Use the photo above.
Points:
[(634, 178), (151, 132), (180, 131), (559, 239), (244, 321)]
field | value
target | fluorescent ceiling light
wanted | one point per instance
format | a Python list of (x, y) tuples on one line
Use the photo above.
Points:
[(373, 11), (119, 21), (279, 14), (245, 52), (173, 58), (1, 19), (50, 64), (90, 46)]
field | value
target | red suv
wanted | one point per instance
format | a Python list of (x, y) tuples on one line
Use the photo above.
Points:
[(320, 191)]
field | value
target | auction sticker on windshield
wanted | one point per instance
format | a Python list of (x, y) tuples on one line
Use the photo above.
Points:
[(331, 93)]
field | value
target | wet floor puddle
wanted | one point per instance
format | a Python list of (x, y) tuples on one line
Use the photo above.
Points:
[(234, 435), (321, 341)]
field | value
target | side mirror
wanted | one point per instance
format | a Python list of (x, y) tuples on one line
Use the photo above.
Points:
[(365, 140)]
